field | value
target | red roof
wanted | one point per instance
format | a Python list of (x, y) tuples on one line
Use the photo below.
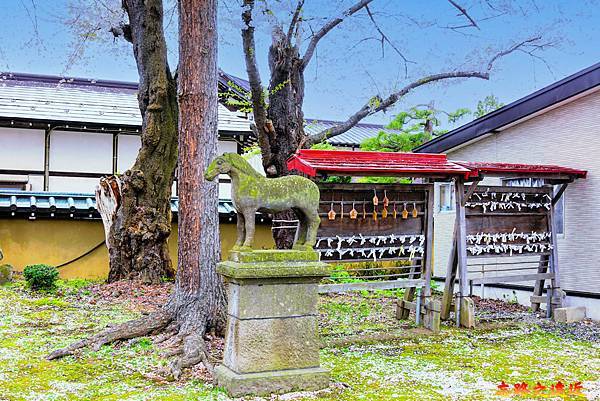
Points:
[(354, 163), (359, 163), (479, 168)]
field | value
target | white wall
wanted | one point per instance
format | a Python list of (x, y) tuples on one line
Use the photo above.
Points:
[(72, 184), (21, 149), (81, 152), (128, 148), (77, 152)]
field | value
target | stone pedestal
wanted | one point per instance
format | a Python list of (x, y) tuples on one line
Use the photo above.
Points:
[(272, 343)]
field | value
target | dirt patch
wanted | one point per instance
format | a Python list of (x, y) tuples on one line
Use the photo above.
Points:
[(492, 310), (135, 295)]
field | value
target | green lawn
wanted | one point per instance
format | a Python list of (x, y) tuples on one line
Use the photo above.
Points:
[(455, 365)]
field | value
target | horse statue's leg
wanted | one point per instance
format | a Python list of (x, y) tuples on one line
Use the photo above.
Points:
[(313, 226), (241, 230), (307, 229), (302, 228), (249, 224)]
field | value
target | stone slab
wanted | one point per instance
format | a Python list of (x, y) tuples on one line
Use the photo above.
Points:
[(314, 270), (274, 255), (253, 301), (259, 345), (265, 383), (570, 314)]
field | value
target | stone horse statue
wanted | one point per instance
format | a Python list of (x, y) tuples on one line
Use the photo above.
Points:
[(252, 192)]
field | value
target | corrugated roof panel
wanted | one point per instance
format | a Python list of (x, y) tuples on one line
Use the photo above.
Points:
[(91, 104)]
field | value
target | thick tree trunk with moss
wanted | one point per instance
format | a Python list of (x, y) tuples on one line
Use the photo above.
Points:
[(142, 223), (197, 303)]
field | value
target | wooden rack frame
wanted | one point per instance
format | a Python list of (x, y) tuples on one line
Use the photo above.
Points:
[(472, 220), (418, 278)]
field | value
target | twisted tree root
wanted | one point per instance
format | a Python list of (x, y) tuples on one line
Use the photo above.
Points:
[(125, 331), (189, 349)]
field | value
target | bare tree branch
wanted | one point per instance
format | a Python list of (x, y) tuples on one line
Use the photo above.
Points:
[(258, 100), (515, 47), (384, 39), (464, 12), (295, 20), (328, 27), (377, 104)]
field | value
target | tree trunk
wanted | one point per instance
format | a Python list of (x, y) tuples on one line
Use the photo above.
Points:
[(197, 303), (286, 97), (285, 119), (142, 224), (198, 299)]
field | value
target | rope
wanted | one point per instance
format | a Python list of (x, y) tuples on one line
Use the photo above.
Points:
[(80, 256)]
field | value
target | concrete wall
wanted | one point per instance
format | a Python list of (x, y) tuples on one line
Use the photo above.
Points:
[(57, 241), (566, 135)]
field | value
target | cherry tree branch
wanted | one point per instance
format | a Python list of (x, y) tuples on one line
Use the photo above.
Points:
[(384, 38), (527, 42), (258, 100), (377, 104), (464, 12), (295, 20), (325, 29)]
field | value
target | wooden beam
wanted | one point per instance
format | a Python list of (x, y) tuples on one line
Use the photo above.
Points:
[(450, 277), (513, 278), (560, 192), (542, 299), (461, 237), (470, 191), (375, 285)]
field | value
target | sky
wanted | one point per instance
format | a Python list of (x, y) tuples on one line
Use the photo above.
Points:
[(349, 67)]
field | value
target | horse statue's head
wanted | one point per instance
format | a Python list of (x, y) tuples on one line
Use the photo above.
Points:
[(228, 162)]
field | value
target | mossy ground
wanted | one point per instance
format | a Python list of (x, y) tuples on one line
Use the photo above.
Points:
[(457, 364)]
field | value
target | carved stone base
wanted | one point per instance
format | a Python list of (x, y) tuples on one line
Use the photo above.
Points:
[(265, 383), (272, 343)]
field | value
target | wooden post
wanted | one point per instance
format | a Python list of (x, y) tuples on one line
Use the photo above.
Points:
[(461, 249), (432, 319), (555, 281), (450, 277), (401, 311), (429, 241), (539, 284)]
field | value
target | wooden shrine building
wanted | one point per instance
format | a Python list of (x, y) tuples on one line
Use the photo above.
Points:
[(499, 231)]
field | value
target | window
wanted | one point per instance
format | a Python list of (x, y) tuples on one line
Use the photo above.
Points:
[(446, 197), (559, 208)]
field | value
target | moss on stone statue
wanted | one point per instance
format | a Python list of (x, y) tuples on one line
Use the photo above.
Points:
[(274, 255), (6, 272), (252, 192), (311, 270)]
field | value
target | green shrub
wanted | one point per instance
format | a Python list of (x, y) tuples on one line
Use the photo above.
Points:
[(41, 277)]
